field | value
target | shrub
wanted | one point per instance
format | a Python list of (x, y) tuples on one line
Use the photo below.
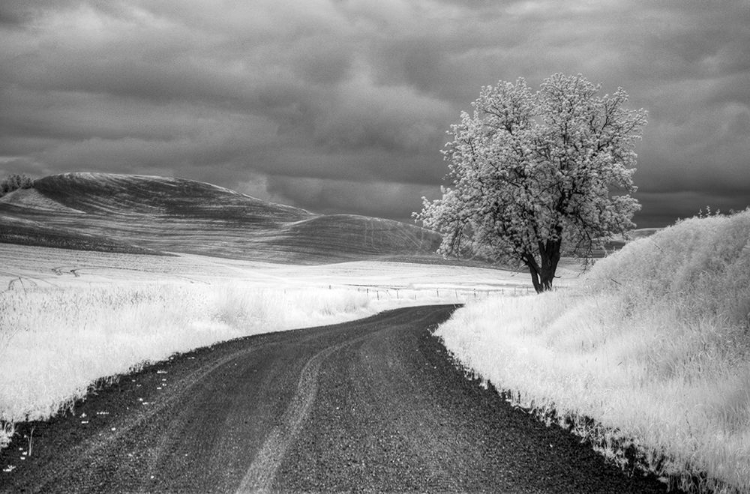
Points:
[(15, 182)]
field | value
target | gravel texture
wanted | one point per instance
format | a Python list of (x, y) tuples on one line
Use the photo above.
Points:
[(368, 406)]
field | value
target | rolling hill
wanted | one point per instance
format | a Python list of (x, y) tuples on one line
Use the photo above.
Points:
[(157, 215)]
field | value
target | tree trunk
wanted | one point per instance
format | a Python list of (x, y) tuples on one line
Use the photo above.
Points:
[(534, 270), (547, 276), (542, 276)]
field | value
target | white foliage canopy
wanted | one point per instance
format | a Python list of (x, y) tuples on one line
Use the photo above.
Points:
[(531, 169)]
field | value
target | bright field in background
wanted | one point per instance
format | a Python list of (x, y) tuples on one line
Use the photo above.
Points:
[(653, 344), (68, 318)]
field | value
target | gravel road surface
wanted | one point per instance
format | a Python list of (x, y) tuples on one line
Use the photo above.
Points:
[(374, 405)]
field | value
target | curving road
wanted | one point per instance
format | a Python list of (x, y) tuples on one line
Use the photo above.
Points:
[(370, 406)]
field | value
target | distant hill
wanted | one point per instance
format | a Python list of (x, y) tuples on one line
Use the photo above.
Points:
[(157, 215)]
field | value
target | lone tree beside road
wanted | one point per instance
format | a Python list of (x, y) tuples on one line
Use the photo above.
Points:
[(534, 170)]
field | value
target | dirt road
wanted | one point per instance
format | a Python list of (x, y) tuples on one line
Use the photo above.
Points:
[(373, 405)]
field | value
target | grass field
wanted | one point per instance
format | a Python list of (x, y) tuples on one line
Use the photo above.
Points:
[(650, 350), (69, 318)]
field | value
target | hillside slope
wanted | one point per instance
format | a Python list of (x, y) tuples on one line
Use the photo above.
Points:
[(144, 214)]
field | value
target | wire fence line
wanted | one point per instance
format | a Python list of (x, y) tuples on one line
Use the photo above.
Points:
[(456, 293)]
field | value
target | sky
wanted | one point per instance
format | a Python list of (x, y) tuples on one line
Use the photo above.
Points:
[(342, 106)]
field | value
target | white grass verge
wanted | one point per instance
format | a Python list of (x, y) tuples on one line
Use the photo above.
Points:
[(654, 346)]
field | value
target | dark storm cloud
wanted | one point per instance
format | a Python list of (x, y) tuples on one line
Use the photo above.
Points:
[(342, 105), (384, 199), (663, 208)]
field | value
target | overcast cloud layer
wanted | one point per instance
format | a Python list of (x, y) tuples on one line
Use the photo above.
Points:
[(342, 105)]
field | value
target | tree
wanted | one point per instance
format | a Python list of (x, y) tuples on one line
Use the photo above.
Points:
[(15, 182), (532, 171)]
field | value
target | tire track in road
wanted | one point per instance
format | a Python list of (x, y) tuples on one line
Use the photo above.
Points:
[(200, 433), (374, 405), (262, 471), (393, 413), (180, 390)]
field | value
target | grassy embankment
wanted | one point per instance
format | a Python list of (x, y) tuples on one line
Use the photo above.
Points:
[(651, 353)]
